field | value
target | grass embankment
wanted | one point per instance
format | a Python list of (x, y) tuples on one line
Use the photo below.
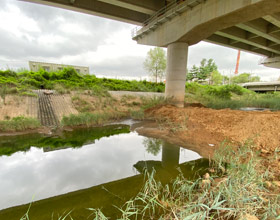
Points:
[(237, 188), (67, 80), (110, 112), (91, 119), (230, 96), (19, 124)]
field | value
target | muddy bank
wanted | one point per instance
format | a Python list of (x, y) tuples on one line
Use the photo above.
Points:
[(150, 129), (208, 126), (204, 130)]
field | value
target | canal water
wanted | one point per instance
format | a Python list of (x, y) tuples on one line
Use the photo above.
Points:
[(35, 167)]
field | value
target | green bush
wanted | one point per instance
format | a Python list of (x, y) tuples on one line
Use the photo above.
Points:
[(89, 119), (19, 124), (69, 79)]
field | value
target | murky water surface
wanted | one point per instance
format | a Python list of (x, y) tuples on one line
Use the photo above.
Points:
[(35, 167)]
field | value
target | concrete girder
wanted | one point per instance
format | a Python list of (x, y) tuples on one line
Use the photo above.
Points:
[(260, 27), (272, 29), (143, 6), (273, 19), (272, 44), (273, 62), (239, 35), (205, 19), (220, 40), (97, 8)]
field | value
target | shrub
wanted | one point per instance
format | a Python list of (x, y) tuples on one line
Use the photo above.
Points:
[(89, 119), (19, 124)]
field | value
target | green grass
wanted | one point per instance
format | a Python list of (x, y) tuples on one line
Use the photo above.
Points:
[(31, 94), (235, 188), (68, 79), (271, 101), (241, 191), (230, 96), (81, 105), (147, 102), (90, 119), (19, 124)]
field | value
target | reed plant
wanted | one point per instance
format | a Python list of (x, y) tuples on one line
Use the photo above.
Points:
[(236, 189), (90, 119), (19, 124), (147, 102), (270, 100)]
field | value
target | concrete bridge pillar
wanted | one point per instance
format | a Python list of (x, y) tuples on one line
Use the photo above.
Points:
[(177, 56)]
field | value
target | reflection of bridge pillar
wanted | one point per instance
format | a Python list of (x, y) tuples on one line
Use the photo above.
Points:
[(177, 56), (170, 155)]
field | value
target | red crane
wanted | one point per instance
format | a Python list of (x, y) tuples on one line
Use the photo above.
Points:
[(237, 63)]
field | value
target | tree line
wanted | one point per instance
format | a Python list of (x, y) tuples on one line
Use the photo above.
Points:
[(207, 72)]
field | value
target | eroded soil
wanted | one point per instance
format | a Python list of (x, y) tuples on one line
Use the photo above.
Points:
[(204, 130)]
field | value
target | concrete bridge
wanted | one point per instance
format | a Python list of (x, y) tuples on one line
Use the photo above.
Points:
[(263, 86), (248, 25)]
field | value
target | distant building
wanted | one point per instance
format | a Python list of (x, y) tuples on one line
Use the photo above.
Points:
[(53, 67)]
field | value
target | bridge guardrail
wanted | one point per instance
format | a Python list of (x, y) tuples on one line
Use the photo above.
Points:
[(172, 7)]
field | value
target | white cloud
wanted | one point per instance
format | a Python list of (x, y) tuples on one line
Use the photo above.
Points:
[(13, 21), (50, 40)]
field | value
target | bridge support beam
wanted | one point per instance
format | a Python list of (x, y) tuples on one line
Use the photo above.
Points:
[(177, 56)]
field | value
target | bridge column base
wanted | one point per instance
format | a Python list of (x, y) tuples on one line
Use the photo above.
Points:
[(177, 56)]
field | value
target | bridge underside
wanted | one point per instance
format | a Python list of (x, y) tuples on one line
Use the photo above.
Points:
[(130, 11), (260, 36), (263, 86), (251, 25)]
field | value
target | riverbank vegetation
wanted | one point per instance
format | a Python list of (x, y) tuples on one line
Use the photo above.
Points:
[(90, 96), (90, 119), (68, 79), (230, 96), (19, 124), (237, 187), (65, 139)]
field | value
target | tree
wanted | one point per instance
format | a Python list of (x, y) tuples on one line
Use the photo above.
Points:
[(244, 77), (152, 145), (216, 78), (203, 71), (155, 63)]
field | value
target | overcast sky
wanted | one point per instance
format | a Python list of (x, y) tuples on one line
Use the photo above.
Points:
[(41, 33)]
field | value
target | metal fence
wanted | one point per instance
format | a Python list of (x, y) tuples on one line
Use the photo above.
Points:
[(173, 8)]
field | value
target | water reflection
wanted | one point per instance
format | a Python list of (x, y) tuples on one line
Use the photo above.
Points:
[(44, 171), (152, 145), (66, 139)]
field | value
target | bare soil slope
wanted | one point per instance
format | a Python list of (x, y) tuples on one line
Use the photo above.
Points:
[(211, 126), (203, 130), (18, 106)]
